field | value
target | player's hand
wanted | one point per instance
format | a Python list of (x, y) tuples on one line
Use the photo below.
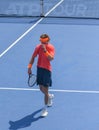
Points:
[(44, 47), (29, 71)]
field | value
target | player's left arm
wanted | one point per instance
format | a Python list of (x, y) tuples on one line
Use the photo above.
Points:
[(50, 54)]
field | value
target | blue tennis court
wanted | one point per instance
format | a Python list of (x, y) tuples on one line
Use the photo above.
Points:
[(75, 73)]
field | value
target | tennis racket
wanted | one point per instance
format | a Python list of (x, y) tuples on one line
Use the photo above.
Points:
[(32, 80)]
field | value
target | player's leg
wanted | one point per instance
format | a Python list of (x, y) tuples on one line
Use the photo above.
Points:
[(44, 90)]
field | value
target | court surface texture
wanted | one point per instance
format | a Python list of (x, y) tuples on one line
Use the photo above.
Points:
[(75, 77)]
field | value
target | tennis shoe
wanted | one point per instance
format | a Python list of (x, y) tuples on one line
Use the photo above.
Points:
[(50, 102), (44, 113)]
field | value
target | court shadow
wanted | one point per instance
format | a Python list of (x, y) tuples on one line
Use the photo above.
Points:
[(25, 122)]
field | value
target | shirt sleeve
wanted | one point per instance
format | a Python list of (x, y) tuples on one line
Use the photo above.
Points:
[(36, 51)]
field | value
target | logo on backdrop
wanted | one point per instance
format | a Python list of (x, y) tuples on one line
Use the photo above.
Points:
[(68, 8)]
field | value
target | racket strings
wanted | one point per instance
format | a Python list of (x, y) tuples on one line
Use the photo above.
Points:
[(32, 80)]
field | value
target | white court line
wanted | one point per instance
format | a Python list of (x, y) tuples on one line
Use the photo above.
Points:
[(33, 26), (51, 90)]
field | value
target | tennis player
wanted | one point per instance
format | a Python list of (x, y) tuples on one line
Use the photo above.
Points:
[(45, 52)]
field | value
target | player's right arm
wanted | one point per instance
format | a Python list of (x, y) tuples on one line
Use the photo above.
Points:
[(30, 64), (32, 60)]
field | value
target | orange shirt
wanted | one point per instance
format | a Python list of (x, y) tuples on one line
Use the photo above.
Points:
[(43, 61)]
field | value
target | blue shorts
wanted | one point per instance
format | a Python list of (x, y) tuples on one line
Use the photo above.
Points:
[(44, 77)]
